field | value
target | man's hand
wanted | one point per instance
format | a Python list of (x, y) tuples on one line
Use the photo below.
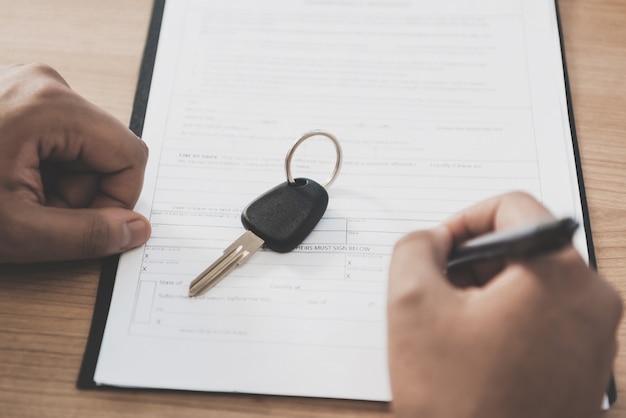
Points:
[(528, 339), (69, 173)]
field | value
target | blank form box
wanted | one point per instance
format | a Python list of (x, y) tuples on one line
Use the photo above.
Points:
[(144, 301)]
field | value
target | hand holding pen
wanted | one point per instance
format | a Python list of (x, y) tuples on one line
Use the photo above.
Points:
[(463, 343), (520, 243)]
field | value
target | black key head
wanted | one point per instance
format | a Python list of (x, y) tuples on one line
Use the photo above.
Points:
[(285, 215)]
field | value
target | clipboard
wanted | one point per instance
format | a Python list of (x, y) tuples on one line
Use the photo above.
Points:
[(110, 265)]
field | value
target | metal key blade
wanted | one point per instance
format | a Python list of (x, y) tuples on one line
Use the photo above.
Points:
[(236, 254)]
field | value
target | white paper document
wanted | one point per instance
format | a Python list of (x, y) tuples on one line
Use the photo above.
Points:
[(437, 105)]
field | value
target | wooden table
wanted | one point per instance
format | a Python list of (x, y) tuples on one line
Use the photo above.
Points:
[(45, 310)]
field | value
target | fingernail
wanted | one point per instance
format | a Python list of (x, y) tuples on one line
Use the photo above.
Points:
[(135, 232)]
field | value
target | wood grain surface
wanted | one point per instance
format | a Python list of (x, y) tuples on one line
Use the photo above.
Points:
[(45, 309)]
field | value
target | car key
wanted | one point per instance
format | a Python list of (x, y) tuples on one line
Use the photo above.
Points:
[(279, 219)]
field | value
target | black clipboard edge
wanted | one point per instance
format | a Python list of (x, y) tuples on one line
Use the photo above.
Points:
[(611, 391), (109, 264), (579, 171)]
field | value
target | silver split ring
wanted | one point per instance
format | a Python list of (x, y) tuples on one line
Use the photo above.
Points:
[(303, 138)]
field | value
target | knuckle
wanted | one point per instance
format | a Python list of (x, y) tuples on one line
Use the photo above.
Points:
[(144, 147), (407, 291), (408, 296), (38, 69), (35, 85), (44, 90), (145, 152)]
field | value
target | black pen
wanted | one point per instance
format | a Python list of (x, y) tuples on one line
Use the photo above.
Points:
[(519, 243)]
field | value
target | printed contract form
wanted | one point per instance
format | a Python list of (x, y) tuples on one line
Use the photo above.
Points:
[(437, 105)]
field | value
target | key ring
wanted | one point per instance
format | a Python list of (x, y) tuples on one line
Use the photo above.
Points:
[(303, 138)]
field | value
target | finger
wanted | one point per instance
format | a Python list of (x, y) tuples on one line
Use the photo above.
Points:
[(65, 128), (500, 212), (417, 266), (39, 233), (106, 146), (476, 274), (76, 190)]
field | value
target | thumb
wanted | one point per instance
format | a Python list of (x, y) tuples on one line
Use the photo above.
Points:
[(50, 234), (416, 272)]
